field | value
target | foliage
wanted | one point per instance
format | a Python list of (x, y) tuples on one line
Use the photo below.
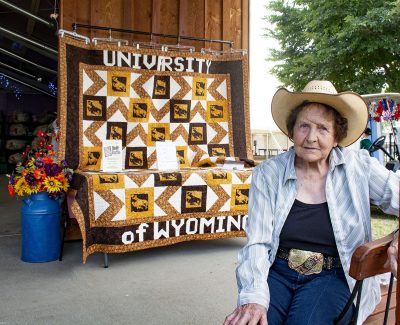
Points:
[(40, 171), (353, 43)]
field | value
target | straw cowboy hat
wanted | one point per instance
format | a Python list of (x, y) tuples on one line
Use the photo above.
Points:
[(350, 105)]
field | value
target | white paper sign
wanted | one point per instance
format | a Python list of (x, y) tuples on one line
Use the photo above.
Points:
[(166, 155), (112, 156), (233, 165)]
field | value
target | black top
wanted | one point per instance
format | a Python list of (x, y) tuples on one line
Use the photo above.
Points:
[(308, 227)]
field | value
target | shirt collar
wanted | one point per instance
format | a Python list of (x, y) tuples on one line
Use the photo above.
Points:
[(290, 172), (336, 158)]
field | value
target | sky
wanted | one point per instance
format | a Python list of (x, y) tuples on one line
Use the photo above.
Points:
[(262, 83)]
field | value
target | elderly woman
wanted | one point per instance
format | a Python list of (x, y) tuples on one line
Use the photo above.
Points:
[(309, 209)]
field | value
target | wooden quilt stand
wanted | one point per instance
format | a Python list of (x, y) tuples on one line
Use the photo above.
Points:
[(141, 96)]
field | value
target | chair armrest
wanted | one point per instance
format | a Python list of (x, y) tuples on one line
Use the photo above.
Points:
[(368, 259)]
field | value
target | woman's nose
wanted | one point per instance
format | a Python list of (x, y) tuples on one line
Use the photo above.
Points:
[(312, 135)]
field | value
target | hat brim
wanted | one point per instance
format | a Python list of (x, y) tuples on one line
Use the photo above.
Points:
[(350, 105)]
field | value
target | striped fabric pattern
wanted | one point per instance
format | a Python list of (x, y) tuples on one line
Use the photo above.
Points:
[(354, 181)]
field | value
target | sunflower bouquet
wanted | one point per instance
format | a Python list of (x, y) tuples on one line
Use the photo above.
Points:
[(40, 171)]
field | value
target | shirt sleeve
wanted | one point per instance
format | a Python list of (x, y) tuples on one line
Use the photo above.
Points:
[(254, 264), (383, 187)]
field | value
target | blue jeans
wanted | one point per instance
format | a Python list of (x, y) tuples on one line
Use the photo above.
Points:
[(298, 299)]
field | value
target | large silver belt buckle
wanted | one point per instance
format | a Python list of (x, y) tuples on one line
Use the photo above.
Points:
[(305, 262)]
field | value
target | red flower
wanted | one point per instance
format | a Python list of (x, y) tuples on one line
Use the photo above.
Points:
[(11, 190), (41, 143), (60, 177), (47, 160), (39, 173)]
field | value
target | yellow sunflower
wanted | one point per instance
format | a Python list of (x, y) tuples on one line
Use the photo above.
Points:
[(65, 184), (20, 186), (32, 189), (52, 185)]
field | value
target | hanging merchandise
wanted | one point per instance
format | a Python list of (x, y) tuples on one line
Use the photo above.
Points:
[(384, 110)]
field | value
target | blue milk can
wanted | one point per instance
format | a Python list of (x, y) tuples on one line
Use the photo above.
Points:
[(40, 224)]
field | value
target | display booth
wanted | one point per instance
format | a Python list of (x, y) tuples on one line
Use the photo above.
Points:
[(141, 96), (384, 112), (369, 259)]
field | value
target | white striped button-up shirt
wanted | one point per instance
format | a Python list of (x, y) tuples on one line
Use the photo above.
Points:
[(353, 181)]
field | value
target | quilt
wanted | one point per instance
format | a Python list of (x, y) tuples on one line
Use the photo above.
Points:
[(131, 210), (141, 96)]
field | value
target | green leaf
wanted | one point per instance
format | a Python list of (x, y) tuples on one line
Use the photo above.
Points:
[(353, 43)]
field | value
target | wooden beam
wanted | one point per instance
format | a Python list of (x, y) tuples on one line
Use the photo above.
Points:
[(191, 21), (245, 24), (232, 22), (165, 20), (142, 18), (213, 23)]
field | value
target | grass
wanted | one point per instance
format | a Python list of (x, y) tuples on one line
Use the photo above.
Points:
[(382, 224)]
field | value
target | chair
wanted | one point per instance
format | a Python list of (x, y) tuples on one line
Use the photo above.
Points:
[(368, 260)]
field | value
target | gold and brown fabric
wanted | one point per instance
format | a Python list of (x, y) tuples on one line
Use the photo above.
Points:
[(141, 96), (135, 210), (199, 101)]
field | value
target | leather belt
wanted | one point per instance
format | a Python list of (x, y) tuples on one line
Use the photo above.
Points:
[(329, 263)]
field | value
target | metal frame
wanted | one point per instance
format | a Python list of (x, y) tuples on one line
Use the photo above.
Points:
[(26, 84), (16, 56), (27, 13), (11, 68), (74, 34), (38, 47), (357, 292), (388, 299), (75, 26)]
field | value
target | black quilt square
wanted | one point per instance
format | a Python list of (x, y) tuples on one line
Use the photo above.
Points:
[(197, 133), (179, 110), (168, 179), (94, 108), (117, 131), (161, 87), (136, 158), (194, 199), (218, 150)]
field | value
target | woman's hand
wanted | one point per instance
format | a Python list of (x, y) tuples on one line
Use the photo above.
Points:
[(392, 255), (249, 314)]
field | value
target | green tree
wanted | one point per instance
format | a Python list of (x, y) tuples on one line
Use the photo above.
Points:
[(353, 43)]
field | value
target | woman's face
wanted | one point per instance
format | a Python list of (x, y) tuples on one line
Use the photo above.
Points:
[(314, 133)]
